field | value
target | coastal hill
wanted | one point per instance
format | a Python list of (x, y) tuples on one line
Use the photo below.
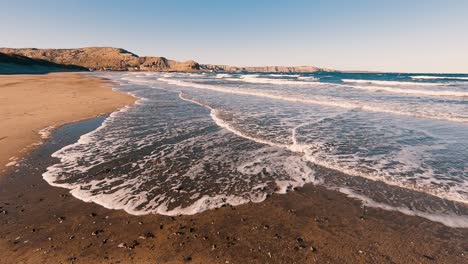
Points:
[(14, 64), (105, 58), (116, 59)]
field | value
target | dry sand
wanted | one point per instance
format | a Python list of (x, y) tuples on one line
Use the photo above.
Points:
[(29, 103)]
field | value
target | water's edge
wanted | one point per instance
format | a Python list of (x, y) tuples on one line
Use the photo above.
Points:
[(99, 122)]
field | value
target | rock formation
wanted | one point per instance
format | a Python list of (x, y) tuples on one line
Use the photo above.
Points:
[(115, 59), (16, 64), (105, 58)]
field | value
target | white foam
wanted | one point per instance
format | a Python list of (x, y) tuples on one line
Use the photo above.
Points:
[(450, 194), (423, 77), (220, 122), (223, 75), (324, 101), (296, 172), (305, 150), (391, 82), (66, 157), (45, 132), (128, 197), (451, 220), (168, 74), (210, 202), (255, 79), (310, 78), (284, 75), (413, 91), (295, 166), (123, 197)]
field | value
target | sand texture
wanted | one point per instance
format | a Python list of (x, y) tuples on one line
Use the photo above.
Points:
[(30, 103)]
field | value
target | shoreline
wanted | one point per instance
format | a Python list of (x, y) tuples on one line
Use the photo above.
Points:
[(449, 220), (32, 106), (40, 223), (312, 224)]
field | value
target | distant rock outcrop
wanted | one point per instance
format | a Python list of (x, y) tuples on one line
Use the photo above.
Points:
[(279, 69), (105, 58), (17, 64)]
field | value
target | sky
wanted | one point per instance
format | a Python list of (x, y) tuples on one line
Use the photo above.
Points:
[(397, 35)]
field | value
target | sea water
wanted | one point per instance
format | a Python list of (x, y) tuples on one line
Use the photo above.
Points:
[(196, 141)]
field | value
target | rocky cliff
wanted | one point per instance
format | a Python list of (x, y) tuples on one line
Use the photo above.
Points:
[(104, 58)]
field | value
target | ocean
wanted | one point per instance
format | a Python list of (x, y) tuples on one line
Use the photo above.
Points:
[(198, 141)]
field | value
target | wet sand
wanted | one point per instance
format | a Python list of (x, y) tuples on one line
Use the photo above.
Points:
[(30, 103), (44, 224)]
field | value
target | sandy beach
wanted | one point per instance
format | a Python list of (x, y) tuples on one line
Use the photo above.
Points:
[(44, 224), (31, 103), (234, 132)]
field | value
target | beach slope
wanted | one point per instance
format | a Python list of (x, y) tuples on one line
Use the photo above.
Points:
[(31, 103)]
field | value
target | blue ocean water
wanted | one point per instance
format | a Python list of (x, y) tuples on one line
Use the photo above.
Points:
[(195, 141)]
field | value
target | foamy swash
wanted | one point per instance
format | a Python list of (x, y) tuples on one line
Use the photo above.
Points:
[(439, 77), (198, 141), (429, 112)]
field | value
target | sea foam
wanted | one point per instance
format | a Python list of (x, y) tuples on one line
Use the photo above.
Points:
[(423, 77), (317, 100), (268, 156), (397, 83)]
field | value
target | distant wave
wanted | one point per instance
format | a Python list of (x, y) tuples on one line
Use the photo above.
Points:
[(307, 78), (413, 91), (392, 83), (284, 75), (391, 86), (223, 75), (316, 100), (424, 77), (256, 79)]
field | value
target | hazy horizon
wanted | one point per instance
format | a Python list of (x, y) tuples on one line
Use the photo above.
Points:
[(419, 37)]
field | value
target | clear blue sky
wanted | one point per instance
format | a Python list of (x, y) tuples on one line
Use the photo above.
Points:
[(397, 35)]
